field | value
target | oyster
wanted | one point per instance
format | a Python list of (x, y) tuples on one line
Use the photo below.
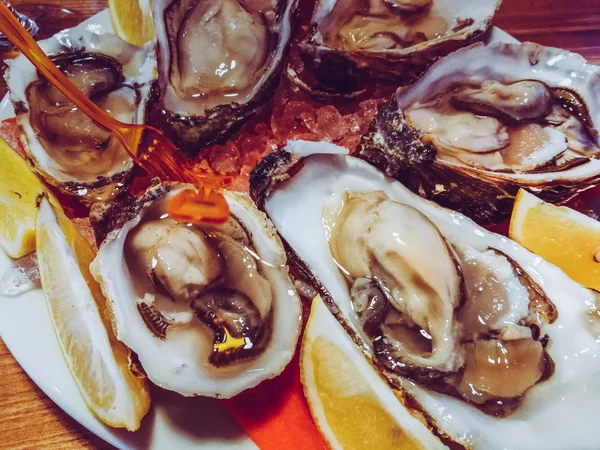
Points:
[(496, 347), (209, 310), (219, 61), (64, 145), (486, 120), (350, 41)]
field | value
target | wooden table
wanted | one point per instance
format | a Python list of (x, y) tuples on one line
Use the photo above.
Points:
[(28, 419)]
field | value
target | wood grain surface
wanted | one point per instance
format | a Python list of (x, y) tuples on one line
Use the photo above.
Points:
[(28, 419)]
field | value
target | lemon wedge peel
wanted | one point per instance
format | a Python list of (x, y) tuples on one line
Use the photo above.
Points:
[(351, 404), (132, 20), (562, 236), (98, 362), (20, 191)]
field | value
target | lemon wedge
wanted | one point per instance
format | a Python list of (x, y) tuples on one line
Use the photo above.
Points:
[(98, 362), (560, 235), (351, 404), (132, 20), (20, 189)]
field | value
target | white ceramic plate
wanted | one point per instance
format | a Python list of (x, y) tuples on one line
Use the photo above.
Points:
[(174, 422)]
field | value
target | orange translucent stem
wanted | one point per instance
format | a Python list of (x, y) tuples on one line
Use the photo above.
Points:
[(187, 206)]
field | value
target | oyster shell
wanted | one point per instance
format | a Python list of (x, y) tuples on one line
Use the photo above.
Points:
[(350, 41), (209, 310), (472, 329), (486, 120), (63, 144), (218, 62)]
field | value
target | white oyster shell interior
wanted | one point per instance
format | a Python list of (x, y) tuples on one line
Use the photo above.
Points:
[(555, 413), (174, 337), (218, 52), (510, 111), (73, 150), (398, 26)]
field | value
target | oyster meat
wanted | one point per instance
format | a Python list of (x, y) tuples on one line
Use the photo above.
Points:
[(486, 120), (219, 60), (209, 310), (496, 347), (63, 144), (350, 41)]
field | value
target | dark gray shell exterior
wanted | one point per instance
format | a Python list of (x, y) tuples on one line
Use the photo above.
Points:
[(193, 133), (409, 155), (397, 150), (348, 72)]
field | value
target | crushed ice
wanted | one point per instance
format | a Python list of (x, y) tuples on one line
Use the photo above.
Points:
[(22, 276)]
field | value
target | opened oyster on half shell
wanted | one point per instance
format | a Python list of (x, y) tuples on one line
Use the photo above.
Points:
[(350, 41), (486, 120), (489, 344), (209, 310), (64, 145), (218, 61)]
